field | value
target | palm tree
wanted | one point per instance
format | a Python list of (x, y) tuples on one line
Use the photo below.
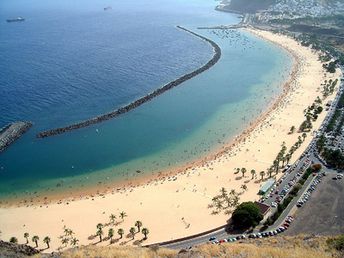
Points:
[(110, 234), (243, 171), (145, 232), (276, 165), (13, 240), (262, 174), (100, 226), (243, 187), (132, 232), (47, 241), (304, 135), (65, 241), (100, 233), (292, 129), (223, 192), (237, 170), (288, 157), (112, 219), (122, 215), (253, 173), (138, 224), (26, 235), (35, 240), (74, 241), (270, 170), (120, 232)]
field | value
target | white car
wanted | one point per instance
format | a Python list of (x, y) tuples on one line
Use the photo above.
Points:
[(273, 204)]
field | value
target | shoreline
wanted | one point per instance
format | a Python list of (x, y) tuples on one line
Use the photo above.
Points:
[(104, 188), (136, 103), (182, 199)]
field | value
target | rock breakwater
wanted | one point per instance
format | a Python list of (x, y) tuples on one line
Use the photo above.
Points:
[(12, 132), (146, 98)]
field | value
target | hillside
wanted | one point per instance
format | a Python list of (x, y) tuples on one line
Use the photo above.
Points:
[(279, 247)]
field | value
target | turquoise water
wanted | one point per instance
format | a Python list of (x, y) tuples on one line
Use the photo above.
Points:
[(89, 65)]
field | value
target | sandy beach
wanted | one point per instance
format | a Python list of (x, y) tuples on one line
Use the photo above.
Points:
[(176, 205)]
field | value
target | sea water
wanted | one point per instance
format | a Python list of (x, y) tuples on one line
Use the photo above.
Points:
[(71, 60)]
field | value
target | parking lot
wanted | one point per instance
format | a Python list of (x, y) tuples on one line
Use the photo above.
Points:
[(323, 213)]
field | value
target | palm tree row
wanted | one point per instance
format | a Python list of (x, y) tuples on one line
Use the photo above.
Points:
[(34, 239), (120, 231)]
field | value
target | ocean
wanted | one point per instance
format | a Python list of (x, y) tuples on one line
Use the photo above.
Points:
[(71, 60)]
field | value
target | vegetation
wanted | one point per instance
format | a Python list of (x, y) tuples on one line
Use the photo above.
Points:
[(279, 246), (246, 215), (47, 240), (13, 240), (138, 224), (225, 201), (336, 243), (35, 240), (111, 233), (132, 232), (120, 232), (68, 238), (26, 236), (112, 218), (145, 232)]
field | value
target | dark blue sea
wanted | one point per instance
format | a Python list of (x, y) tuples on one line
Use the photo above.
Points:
[(71, 60)]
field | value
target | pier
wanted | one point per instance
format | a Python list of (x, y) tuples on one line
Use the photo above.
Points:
[(12, 132), (142, 100)]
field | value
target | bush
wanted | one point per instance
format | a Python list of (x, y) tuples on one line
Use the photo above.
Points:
[(246, 215), (316, 167), (337, 243), (295, 189)]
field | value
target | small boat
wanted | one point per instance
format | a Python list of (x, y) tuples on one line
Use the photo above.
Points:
[(107, 8), (18, 19)]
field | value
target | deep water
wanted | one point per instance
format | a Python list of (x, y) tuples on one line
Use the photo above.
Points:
[(71, 60)]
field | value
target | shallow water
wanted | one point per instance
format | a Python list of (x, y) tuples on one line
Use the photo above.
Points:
[(71, 60)]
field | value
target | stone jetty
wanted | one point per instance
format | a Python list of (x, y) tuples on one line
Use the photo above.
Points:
[(12, 132), (148, 97)]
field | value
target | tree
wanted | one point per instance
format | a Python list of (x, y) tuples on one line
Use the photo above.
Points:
[(65, 241), (35, 240), (243, 187), (246, 215), (112, 218), (123, 214), (111, 234), (120, 232), (237, 170), (262, 174), (138, 224), (13, 240), (287, 157), (26, 236), (253, 173), (74, 241), (47, 240), (243, 171), (100, 233), (132, 232), (292, 130), (145, 232), (100, 226), (304, 135)]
